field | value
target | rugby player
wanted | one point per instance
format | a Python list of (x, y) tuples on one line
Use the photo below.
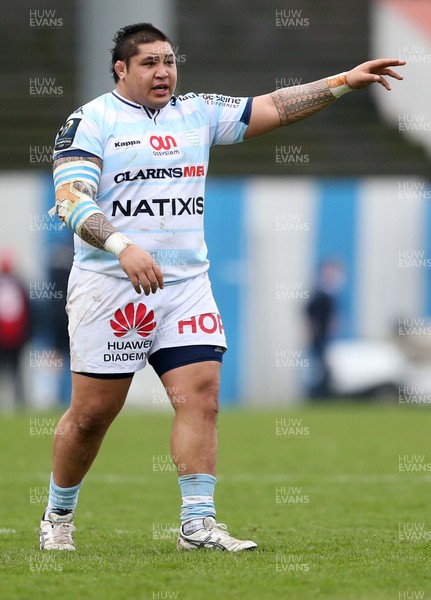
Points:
[(129, 174)]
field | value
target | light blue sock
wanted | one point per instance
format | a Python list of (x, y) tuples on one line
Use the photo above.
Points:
[(63, 498), (197, 493)]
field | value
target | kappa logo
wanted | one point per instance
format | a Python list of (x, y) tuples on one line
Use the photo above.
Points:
[(126, 143), (130, 319)]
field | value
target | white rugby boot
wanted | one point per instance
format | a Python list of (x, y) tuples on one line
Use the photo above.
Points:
[(213, 535), (56, 531)]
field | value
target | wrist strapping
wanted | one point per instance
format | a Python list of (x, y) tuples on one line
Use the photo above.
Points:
[(116, 243), (338, 85)]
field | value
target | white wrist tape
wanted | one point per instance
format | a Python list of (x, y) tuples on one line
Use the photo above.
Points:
[(116, 243), (338, 85)]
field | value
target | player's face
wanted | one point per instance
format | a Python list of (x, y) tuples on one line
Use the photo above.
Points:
[(150, 77)]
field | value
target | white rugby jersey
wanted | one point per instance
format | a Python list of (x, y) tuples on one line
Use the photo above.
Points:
[(152, 184)]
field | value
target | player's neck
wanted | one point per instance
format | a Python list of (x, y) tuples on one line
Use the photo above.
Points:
[(120, 92)]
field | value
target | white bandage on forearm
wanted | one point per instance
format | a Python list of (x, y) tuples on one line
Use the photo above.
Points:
[(116, 243), (338, 85), (72, 205)]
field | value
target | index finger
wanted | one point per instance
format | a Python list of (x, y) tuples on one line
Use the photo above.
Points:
[(382, 63)]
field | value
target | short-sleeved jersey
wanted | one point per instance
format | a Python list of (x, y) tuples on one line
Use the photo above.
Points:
[(152, 185)]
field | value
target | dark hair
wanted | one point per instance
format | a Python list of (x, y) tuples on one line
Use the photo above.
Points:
[(127, 40)]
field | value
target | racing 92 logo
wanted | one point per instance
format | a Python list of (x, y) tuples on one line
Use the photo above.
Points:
[(159, 142)]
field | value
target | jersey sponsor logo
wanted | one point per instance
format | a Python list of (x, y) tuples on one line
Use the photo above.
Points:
[(159, 207), (160, 142), (207, 322), (138, 320), (164, 146), (126, 143), (166, 173), (66, 134), (134, 350), (227, 101), (188, 96), (133, 319)]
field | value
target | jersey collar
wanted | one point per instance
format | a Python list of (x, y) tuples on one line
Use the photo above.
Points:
[(152, 114)]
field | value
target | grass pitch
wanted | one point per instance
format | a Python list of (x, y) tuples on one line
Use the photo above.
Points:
[(336, 496)]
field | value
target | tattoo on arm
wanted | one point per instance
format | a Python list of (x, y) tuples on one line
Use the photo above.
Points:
[(96, 230), (300, 101)]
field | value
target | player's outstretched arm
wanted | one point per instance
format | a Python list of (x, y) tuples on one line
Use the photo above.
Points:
[(288, 105), (75, 193)]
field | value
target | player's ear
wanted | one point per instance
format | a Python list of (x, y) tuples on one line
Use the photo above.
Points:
[(120, 68)]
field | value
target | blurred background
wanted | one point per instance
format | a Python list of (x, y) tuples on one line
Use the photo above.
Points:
[(319, 234)]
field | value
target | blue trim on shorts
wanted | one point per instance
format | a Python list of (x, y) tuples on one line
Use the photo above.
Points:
[(105, 375), (166, 359)]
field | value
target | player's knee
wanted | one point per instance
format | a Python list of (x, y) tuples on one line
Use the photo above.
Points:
[(92, 424), (208, 391), (211, 409), (202, 401)]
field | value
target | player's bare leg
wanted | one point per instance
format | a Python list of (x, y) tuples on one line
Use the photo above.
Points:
[(79, 434), (193, 391), (95, 404)]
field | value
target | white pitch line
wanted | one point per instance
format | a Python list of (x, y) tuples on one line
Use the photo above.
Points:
[(254, 478), (6, 531)]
